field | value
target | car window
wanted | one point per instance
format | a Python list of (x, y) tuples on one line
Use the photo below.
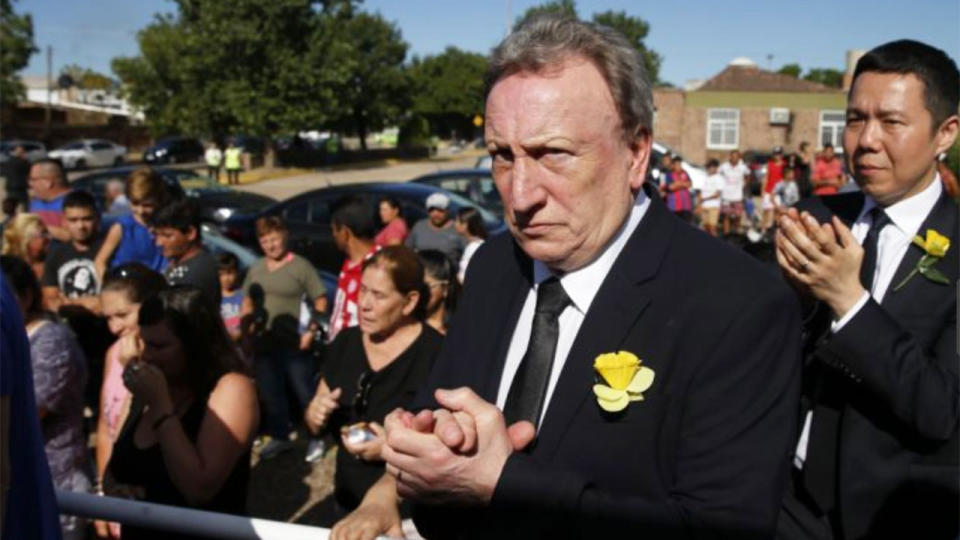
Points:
[(101, 146), (319, 212), (73, 146), (457, 185), (296, 212), (31, 147)]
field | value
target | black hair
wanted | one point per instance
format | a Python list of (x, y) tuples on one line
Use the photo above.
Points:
[(24, 281), (135, 280), (355, 213), (57, 165), (471, 217), (827, 145), (713, 163), (10, 205), (392, 201), (937, 71), (437, 265), (181, 215), (81, 199), (227, 261), (190, 316)]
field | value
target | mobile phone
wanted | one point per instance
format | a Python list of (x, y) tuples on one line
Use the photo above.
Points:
[(359, 433)]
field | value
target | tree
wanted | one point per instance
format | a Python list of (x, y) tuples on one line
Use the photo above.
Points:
[(559, 7), (16, 47), (825, 76), (447, 90), (374, 90), (86, 79), (633, 28), (792, 70)]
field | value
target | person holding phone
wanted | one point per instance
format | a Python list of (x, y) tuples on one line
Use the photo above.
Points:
[(374, 368)]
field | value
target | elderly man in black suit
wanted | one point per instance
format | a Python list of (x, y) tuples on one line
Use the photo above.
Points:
[(611, 369), (877, 453)]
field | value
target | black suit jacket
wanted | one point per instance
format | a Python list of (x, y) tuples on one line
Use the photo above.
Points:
[(891, 375), (705, 453)]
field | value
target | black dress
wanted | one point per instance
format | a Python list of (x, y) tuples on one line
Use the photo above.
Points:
[(368, 396), (144, 467)]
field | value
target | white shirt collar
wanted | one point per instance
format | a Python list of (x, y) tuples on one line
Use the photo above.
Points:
[(582, 285), (908, 214)]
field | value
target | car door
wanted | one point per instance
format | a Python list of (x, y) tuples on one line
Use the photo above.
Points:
[(101, 154)]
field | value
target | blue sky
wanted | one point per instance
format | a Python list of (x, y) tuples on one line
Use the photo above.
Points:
[(695, 37)]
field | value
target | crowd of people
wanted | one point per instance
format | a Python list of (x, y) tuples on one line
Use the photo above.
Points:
[(178, 362), (608, 370)]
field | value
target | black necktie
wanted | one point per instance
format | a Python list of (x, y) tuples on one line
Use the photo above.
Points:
[(529, 387), (869, 266), (820, 468)]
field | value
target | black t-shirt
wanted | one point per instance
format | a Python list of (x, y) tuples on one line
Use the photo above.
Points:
[(72, 271), (393, 386), (199, 271)]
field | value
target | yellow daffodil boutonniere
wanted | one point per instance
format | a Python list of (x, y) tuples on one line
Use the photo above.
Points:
[(935, 246), (626, 380)]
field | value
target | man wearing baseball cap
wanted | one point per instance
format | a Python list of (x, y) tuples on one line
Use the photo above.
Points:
[(436, 231)]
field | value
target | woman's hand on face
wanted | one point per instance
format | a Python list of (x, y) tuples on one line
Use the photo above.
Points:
[(147, 382), (367, 450), (130, 348), (319, 410)]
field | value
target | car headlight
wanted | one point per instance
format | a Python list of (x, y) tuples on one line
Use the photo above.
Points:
[(223, 214)]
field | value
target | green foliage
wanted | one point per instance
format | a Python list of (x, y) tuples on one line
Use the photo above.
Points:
[(414, 132), (447, 89), (16, 47), (825, 76), (953, 158), (559, 7), (633, 28), (86, 78), (792, 70)]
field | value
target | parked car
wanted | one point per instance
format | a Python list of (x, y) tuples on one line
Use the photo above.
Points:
[(474, 184), (217, 203), (308, 217), (89, 153), (174, 150), (35, 150), (484, 162)]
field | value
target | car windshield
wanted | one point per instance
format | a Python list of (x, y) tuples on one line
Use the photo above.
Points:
[(191, 180), (72, 146), (460, 201)]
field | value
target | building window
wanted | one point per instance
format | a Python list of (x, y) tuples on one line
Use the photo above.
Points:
[(723, 129), (831, 128)]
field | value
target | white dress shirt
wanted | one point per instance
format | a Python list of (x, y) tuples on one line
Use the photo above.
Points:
[(581, 286), (894, 240)]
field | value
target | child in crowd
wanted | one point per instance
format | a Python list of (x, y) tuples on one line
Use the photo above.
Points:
[(787, 192), (231, 295), (131, 238)]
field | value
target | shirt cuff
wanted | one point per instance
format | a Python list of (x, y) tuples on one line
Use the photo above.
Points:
[(836, 326)]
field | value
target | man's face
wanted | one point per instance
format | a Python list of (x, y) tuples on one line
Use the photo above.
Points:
[(81, 224), (174, 242), (438, 216), (42, 180), (560, 162), (890, 141), (734, 157)]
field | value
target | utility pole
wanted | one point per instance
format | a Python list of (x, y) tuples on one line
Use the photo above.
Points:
[(47, 114), (509, 19)]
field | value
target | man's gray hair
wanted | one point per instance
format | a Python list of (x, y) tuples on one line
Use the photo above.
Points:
[(548, 40)]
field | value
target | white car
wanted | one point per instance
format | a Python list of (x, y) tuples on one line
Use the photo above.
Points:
[(89, 153)]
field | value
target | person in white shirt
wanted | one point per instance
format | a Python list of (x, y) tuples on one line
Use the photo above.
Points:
[(876, 456), (213, 157), (469, 223), (710, 197), (735, 174)]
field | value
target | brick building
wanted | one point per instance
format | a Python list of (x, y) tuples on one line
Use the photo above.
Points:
[(748, 108)]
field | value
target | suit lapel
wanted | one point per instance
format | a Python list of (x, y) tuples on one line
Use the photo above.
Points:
[(943, 219), (621, 300)]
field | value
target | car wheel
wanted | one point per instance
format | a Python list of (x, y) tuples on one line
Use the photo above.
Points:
[(80, 164), (118, 161)]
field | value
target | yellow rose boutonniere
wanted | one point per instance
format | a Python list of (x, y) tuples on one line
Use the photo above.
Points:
[(626, 380), (935, 246)]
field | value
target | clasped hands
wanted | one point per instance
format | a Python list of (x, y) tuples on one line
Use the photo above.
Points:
[(820, 260), (451, 455)]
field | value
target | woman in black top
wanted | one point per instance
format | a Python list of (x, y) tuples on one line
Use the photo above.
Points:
[(374, 368), (186, 441)]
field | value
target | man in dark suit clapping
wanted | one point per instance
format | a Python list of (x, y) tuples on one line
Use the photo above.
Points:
[(877, 453), (611, 370)]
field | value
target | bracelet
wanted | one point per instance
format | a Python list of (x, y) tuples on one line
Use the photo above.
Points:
[(163, 418)]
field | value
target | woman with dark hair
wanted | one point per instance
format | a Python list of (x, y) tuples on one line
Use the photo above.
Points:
[(373, 369), (59, 378), (187, 438), (440, 276), (124, 290), (469, 224), (395, 229)]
